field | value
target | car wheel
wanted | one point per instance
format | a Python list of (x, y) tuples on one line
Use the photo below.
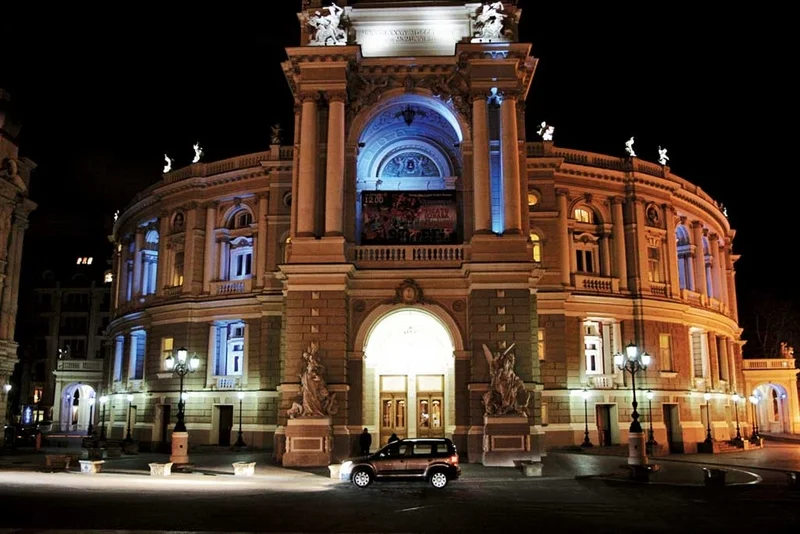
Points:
[(362, 478), (438, 479)]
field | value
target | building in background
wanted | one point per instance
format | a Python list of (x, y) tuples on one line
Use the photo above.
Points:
[(410, 222), (15, 207)]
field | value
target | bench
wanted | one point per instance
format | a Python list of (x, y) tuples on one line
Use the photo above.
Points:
[(91, 467), (160, 470), (714, 477), (244, 469), (58, 461)]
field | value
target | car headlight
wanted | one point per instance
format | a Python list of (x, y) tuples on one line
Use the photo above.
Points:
[(346, 467)]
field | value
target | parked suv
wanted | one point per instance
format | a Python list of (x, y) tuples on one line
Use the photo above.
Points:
[(431, 459)]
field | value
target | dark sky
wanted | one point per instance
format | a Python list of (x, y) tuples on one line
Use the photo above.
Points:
[(104, 95)]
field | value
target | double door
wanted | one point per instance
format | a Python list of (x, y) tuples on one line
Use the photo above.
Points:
[(418, 412)]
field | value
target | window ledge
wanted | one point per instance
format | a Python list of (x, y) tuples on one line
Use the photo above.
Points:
[(669, 374)]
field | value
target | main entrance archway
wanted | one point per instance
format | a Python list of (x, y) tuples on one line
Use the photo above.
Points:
[(409, 376)]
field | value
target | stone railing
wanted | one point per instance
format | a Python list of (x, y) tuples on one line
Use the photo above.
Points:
[(231, 287), (226, 382), (80, 365), (658, 289), (764, 364), (172, 292), (695, 299), (135, 385), (601, 381), (209, 169), (422, 255), (600, 284)]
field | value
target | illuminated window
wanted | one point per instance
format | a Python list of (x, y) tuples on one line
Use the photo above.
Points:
[(166, 350), (37, 395), (583, 215), (243, 219), (177, 269), (84, 261), (229, 343), (699, 349), (665, 352), (545, 415), (241, 258), (119, 344), (685, 273), (593, 347), (137, 354), (540, 343), (654, 265), (536, 247)]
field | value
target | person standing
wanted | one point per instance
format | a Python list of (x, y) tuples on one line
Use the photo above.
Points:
[(365, 441), (393, 438)]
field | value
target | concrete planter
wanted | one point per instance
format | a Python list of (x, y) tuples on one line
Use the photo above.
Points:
[(91, 467), (532, 469), (334, 469), (160, 470), (58, 461), (244, 469)]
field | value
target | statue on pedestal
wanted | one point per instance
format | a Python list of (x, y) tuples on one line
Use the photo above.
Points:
[(662, 156), (168, 166), (198, 153), (505, 387), (275, 138), (546, 131), (317, 400)]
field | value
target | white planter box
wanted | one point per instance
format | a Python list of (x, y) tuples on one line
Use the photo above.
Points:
[(532, 469), (244, 469), (91, 467), (161, 470)]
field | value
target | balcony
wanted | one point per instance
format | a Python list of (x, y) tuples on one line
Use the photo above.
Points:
[(376, 256), (226, 382), (599, 284), (172, 292), (768, 364), (601, 381), (658, 289), (695, 299), (135, 385), (231, 287), (80, 365)]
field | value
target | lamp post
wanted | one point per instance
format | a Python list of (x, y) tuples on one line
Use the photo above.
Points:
[(736, 398), (90, 428), (182, 366), (707, 397), (651, 440), (586, 441), (103, 401), (240, 440), (633, 361), (128, 438), (754, 437)]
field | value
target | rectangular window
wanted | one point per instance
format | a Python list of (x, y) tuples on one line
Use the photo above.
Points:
[(589, 261), (698, 357), (665, 352), (654, 265), (177, 273), (138, 345), (593, 347), (119, 344), (579, 260), (540, 343), (166, 350), (229, 349)]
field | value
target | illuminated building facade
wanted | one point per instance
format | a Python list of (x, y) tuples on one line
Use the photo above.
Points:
[(411, 222), (15, 207)]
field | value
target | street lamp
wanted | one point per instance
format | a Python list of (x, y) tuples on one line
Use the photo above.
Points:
[(240, 440), (633, 362), (182, 365), (7, 388), (103, 401), (736, 398), (128, 438), (707, 397), (754, 437), (586, 441), (651, 440), (90, 428)]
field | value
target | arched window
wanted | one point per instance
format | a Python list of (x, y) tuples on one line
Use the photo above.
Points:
[(583, 215), (536, 247), (240, 219), (533, 199)]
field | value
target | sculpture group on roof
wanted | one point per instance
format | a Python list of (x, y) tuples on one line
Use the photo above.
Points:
[(327, 28), (489, 21)]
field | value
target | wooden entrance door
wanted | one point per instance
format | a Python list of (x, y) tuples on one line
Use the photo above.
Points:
[(430, 406), (225, 424), (603, 412)]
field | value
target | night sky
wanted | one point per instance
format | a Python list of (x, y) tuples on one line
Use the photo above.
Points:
[(103, 95)]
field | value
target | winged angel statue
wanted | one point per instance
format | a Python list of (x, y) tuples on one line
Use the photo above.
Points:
[(317, 400), (506, 387)]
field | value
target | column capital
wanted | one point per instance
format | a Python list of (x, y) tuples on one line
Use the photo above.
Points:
[(190, 205), (697, 224), (336, 96), (508, 94), (562, 192), (479, 96), (309, 96), (713, 236), (210, 205), (668, 208), (616, 200)]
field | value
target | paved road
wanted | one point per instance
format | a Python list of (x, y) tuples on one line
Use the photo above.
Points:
[(278, 500)]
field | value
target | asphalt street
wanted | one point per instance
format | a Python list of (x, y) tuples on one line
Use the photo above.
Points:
[(280, 500)]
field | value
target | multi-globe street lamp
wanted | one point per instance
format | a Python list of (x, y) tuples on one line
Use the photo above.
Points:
[(707, 397), (651, 440), (182, 366), (633, 362), (240, 440), (736, 398), (103, 401), (128, 437), (586, 441)]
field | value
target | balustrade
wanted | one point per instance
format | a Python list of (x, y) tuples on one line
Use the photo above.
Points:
[(768, 363), (409, 254), (601, 284)]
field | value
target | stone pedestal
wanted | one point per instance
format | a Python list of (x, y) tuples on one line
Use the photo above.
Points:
[(308, 442), (507, 441), (180, 448), (636, 449)]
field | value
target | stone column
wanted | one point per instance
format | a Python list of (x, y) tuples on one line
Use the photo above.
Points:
[(618, 235), (641, 244), (563, 236), (672, 251), (734, 301), (510, 157), (307, 179), (189, 249), (137, 263), (723, 274), (733, 370), (605, 256), (261, 240), (116, 285), (161, 270), (716, 267), (334, 184), (722, 347), (210, 256), (481, 178), (699, 259), (122, 282)]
